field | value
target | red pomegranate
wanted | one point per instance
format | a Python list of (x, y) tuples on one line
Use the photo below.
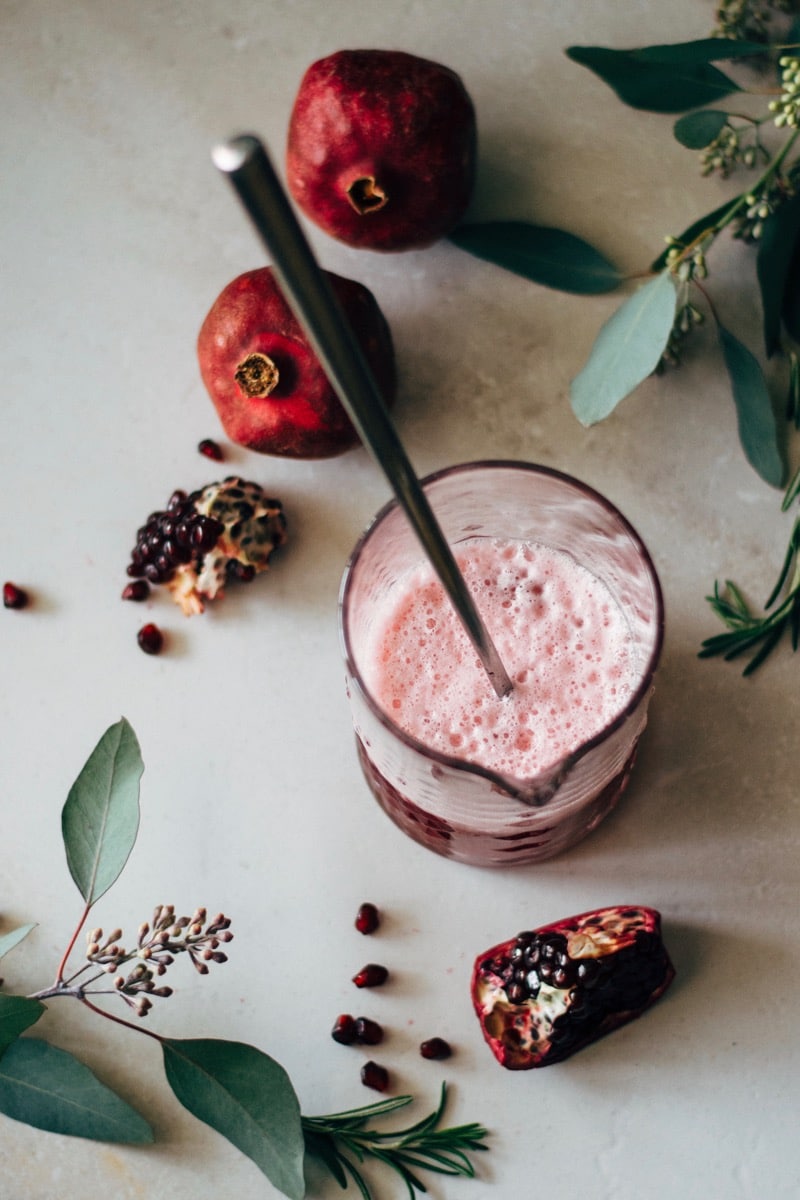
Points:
[(547, 993), (266, 382), (381, 148)]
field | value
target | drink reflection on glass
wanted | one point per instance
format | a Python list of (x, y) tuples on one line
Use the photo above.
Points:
[(571, 598)]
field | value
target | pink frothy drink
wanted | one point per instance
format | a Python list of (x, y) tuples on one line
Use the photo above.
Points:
[(571, 599)]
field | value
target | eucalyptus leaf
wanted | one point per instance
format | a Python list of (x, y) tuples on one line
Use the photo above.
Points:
[(776, 246), (548, 256), (627, 350), (791, 297), (701, 50), (100, 818), (695, 230), (9, 940), (658, 78), (50, 1089), (758, 427), (17, 1013), (246, 1096), (697, 130)]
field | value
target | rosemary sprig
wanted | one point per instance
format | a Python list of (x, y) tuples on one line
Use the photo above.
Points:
[(337, 1139), (748, 630)]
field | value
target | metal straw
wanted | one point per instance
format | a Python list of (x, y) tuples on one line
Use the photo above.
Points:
[(244, 160)]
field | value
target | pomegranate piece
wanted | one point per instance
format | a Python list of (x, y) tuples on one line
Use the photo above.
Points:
[(547, 993), (344, 1030), (267, 384), (14, 596), (138, 591), (372, 975), (381, 148), (211, 449), (368, 1032), (224, 531), (150, 639), (374, 1076), (367, 918), (435, 1048)]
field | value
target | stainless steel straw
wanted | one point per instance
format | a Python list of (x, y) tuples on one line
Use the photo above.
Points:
[(245, 161)]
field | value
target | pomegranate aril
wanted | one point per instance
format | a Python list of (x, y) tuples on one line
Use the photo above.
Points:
[(367, 918), (368, 1032), (210, 449), (344, 1030), (150, 639), (374, 1076), (14, 596), (139, 590), (372, 975), (435, 1047)]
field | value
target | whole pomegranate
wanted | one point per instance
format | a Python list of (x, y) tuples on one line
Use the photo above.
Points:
[(266, 382), (548, 992), (381, 148)]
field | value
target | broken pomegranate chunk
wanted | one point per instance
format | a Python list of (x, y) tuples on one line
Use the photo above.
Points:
[(224, 531), (548, 992)]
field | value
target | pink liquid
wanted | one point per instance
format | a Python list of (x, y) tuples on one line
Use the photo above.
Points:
[(560, 634)]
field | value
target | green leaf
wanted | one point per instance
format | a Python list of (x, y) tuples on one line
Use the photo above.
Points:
[(246, 1096), (790, 310), (9, 940), (100, 819), (547, 256), (627, 350), (50, 1089), (698, 129), (17, 1013), (775, 249), (702, 50), (758, 429), (658, 78), (695, 230)]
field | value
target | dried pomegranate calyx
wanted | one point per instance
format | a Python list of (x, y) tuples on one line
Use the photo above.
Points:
[(257, 375), (366, 195)]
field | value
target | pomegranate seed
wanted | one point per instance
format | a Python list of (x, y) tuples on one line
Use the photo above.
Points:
[(435, 1047), (344, 1030), (367, 918), (368, 1032), (211, 449), (13, 596), (372, 975), (374, 1076), (151, 639), (138, 590)]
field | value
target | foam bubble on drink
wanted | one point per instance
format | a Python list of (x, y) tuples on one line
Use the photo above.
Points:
[(560, 634)]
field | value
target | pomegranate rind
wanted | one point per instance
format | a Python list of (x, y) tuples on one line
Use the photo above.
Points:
[(401, 127), (520, 1034), (302, 416)]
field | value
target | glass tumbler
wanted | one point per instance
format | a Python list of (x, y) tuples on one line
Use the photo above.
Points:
[(454, 806)]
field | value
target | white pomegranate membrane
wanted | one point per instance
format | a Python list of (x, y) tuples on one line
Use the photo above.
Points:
[(560, 634)]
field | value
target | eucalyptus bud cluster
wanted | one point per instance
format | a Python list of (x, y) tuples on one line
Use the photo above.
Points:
[(684, 264), (158, 943), (726, 152), (787, 107), (687, 318), (759, 206)]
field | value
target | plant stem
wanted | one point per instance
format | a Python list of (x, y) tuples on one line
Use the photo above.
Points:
[(70, 946)]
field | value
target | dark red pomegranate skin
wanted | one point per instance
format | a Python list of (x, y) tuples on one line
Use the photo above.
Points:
[(549, 992), (282, 402), (381, 148)]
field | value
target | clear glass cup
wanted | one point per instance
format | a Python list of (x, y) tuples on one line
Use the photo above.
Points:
[(459, 808)]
